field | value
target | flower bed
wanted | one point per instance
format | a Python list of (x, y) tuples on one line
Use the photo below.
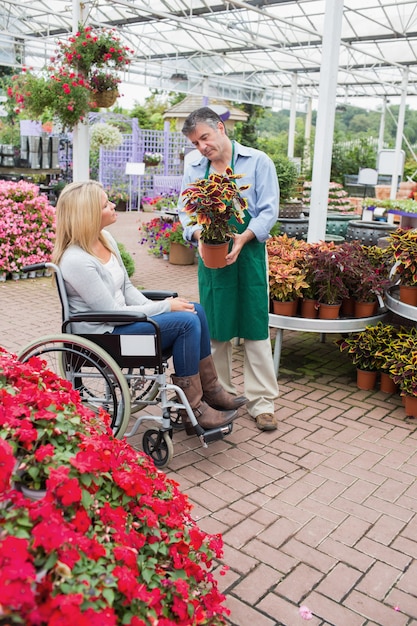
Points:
[(112, 541), (26, 227)]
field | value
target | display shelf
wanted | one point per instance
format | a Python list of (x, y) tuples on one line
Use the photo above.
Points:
[(392, 300), (309, 325)]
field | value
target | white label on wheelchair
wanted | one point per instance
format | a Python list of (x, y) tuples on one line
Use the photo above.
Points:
[(137, 345)]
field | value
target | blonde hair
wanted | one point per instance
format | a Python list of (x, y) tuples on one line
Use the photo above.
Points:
[(78, 217)]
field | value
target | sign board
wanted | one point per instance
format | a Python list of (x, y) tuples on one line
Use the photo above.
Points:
[(386, 161), (135, 169)]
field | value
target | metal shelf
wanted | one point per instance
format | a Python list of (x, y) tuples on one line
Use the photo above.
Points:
[(393, 304), (309, 325)]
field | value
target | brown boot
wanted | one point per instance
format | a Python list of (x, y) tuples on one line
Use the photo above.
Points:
[(206, 416), (213, 392)]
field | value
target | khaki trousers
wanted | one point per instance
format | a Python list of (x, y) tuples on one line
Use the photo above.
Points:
[(260, 383)]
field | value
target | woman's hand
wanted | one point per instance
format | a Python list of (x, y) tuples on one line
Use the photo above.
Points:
[(181, 304)]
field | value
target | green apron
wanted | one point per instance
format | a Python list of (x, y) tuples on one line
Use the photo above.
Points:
[(235, 297)]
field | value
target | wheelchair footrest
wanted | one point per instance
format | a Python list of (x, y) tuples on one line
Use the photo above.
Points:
[(214, 434)]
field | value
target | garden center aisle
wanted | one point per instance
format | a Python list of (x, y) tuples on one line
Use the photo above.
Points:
[(321, 512)]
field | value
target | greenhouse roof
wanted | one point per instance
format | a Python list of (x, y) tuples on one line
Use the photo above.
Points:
[(242, 51)]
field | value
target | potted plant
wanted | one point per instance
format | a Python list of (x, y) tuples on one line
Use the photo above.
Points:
[(26, 227), (59, 93), (403, 367), (181, 252), (403, 244), (365, 275), (112, 540), (287, 174), (152, 159), (156, 234), (324, 264), (287, 273), (362, 348), (69, 87), (211, 203), (167, 201)]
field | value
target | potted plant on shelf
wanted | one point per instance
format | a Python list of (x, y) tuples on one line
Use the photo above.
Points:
[(403, 245), (287, 273), (324, 263), (366, 276), (212, 202)]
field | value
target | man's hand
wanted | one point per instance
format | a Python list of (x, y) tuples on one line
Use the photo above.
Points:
[(239, 240)]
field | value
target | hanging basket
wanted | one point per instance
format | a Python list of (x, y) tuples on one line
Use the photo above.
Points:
[(106, 99)]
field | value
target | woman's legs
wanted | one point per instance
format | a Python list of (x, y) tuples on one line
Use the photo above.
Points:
[(188, 336), (185, 333)]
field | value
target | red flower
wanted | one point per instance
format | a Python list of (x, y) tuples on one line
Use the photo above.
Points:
[(44, 451), (7, 463)]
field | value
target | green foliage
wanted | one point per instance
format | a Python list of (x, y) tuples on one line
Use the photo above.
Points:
[(349, 158), (245, 132), (287, 176), (127, 259)]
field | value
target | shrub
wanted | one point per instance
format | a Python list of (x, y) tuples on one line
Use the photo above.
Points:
[(127, 259)]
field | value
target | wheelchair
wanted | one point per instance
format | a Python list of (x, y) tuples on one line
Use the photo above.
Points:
[(121, 374)]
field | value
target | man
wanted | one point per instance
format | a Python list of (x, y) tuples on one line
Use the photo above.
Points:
[(236, 297)]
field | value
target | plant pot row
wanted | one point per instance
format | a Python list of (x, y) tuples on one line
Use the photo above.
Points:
[(312, 309), (368, 381)]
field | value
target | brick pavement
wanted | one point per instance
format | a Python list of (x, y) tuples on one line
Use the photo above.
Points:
[(321, 512)]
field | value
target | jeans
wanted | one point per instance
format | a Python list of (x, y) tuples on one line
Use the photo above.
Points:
[(186, 334)]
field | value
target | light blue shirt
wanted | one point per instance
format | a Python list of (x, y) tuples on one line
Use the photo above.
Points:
[(263, 194)]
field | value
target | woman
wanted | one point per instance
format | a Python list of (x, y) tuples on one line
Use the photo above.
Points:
[(96, 280)]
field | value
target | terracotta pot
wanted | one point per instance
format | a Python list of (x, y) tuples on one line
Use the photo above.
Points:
[(387, 385), (214, 254), (348, 307), (411, 406), (365, 380), (365, 309), (329, 311), (288, 309), (181, 255), (309, 308), (408, 294)]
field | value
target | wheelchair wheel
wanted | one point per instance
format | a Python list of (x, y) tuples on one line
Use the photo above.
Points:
[(158, 445), (90, 370)]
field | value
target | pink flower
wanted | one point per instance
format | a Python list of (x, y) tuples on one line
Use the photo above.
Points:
[(305, 612)]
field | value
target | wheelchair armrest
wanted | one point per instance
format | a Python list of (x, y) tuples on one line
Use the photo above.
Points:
[(159, 295), (120, 317)]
